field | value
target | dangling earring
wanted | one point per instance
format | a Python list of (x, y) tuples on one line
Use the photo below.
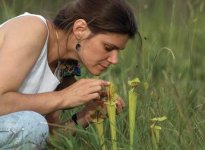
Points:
[(77, 47)]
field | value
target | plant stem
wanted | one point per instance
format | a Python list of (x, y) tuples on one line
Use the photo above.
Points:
[(111, 109)]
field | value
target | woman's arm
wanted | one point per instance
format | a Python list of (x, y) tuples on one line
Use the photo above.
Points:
[(54, 117), (21, 42), (21, 39), (83, 117)]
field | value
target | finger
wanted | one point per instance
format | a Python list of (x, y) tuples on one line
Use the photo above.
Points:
[(99, 103), (121, 102), (94, 89), (99, 82), (105, 83), (103, 94), (120, 105), (92, 96), (119, 108)]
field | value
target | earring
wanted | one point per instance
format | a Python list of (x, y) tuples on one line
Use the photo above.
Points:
[(77, 47)]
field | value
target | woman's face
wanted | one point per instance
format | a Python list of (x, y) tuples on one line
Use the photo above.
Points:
[(100, 51)]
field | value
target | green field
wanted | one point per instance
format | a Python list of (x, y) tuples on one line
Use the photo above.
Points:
[(169, 58)]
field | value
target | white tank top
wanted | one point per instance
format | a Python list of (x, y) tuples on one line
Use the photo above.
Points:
[(40, 79)]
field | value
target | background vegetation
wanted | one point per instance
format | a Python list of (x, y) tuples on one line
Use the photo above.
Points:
[(170, 60)]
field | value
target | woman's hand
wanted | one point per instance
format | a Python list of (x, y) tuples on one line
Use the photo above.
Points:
[(88, 113), (81, 92), (120, 104)]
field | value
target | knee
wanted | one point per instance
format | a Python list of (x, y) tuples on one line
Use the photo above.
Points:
[(24, 120), (33, 123), (26, 127)]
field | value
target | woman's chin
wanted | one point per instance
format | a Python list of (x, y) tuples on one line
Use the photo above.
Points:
[(96, 72)]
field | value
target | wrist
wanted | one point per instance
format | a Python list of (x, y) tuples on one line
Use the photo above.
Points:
[(56, 101), (62, 101)]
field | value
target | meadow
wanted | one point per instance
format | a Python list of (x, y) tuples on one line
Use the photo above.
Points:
[(167, 57)]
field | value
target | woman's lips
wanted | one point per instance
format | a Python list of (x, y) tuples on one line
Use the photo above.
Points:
[(103, 67)]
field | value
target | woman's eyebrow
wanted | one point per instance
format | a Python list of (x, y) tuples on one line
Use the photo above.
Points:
[(113, 46)]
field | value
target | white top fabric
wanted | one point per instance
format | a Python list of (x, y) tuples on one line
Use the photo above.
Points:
[(40, 79)]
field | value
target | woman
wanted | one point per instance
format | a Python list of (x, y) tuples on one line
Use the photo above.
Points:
[(39, 61)]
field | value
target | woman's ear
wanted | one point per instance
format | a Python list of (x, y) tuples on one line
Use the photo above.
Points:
[(80, 29)]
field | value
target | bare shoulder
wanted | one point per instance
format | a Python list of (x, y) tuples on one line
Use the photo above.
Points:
[(29, 27), (24, 30), (21, 42), (24, 21)]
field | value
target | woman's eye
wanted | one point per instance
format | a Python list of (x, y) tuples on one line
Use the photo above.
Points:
[(108, 49)]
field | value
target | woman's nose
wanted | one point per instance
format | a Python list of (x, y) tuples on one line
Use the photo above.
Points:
[(113, 57)]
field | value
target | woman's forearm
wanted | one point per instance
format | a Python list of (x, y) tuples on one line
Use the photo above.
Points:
[(42, 103)]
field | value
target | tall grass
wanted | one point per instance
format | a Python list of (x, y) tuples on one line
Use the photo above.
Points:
[(170, 61)]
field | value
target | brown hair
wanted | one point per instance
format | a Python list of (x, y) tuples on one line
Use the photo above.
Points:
[(101, 15)]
